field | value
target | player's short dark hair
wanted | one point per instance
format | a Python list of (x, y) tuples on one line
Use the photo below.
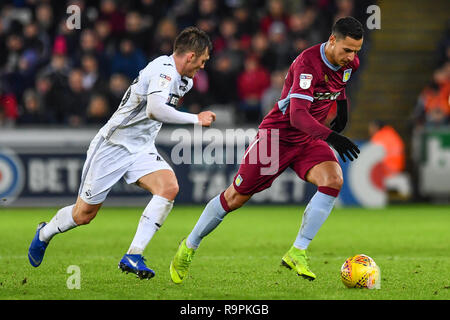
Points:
[(192, 39), (348, 27)]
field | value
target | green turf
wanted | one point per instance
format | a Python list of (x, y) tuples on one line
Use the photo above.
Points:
[(239, 260)]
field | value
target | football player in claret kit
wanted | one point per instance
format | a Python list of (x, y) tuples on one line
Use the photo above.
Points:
[(125, 147), (316, 78)]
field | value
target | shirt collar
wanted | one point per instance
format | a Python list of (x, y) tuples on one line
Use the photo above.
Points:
[(325, 60), (174, 65)]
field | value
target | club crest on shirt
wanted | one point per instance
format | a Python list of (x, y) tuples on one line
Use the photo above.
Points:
[(238, 180), (347, 74), (164, 80), (305, 80)]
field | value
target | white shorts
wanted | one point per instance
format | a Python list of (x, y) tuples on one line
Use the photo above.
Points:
[(106, 163)]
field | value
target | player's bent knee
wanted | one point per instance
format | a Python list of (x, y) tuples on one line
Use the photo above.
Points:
[(334, 181), (234, 199), (170, 191)]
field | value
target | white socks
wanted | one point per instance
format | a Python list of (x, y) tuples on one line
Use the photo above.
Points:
[(151, 220), (61, 222)]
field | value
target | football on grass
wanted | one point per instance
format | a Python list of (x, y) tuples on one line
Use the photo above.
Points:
[(360, 271)]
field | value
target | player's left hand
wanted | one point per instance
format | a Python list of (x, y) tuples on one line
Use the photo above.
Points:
[(344, 146)]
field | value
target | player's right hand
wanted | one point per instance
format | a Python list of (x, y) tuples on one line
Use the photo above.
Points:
[(343, 145), (206, 118)]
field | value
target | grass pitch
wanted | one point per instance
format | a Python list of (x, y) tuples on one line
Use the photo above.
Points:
[(240, 260)]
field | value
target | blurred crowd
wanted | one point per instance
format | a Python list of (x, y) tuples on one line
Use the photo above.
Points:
[(433, 104), (53, 74)]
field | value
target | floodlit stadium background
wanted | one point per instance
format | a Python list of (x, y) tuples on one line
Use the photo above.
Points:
[(60, 81)]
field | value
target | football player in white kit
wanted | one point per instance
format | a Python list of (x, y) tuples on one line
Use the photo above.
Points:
[(125, 147)]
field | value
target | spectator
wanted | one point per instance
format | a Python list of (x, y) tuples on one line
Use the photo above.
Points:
[(386, 136), (198, 97), (344, 9), (152, 11), (298, 44), (98, 111), (275, 13), (166, 32), (53, 80), (15, 47), (279, 49), (245, 21), (129, 60), (208, 17), (111, 13), (92, 79), (37, 41), (433, 105), (89, 44), (32, 111), (71, 38), (135, 31), (8, 108), (260, 48), (50, 98), (227, 37), (252, 82), (45, 19), (58, 71), (118, 84), (106, 42), (223, 80), (272, 94), (303, 25), (77, 99), (209, 10)]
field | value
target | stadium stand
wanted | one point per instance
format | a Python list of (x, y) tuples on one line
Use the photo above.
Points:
[(52, 75)]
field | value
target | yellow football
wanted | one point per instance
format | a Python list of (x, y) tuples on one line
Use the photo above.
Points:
[(361, 271)]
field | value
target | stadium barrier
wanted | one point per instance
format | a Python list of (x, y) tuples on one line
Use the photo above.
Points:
[(431, 151), (42, 167)]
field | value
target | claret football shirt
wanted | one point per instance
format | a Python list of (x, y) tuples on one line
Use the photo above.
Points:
[(310, 77)]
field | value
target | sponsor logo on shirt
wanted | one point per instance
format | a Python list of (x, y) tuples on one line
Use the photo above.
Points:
[(172, 100), (326, 95)]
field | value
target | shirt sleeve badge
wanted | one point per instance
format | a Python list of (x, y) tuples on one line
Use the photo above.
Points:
[(305, 80), (164, 80)]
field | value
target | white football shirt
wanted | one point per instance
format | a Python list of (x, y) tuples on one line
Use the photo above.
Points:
[(130, 126)]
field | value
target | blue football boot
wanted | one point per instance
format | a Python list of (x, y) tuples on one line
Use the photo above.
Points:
[(135, 263), (37, 248)]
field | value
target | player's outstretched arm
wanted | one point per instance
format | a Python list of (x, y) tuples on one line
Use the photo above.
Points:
[(157, 109)]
